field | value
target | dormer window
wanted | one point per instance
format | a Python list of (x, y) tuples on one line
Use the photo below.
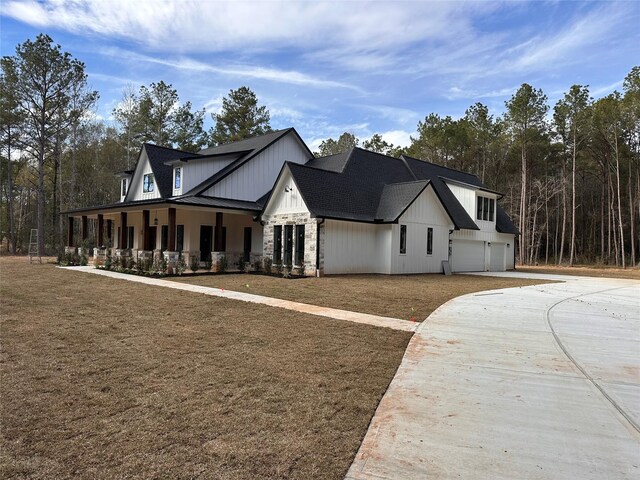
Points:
[(147, 183), (485, 208), (177, 178), (123, 187)]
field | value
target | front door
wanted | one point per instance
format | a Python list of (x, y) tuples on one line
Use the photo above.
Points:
[(206, 240), (247, 244)]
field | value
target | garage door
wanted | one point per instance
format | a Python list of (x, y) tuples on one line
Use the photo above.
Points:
[(467, 256), (497, 257)]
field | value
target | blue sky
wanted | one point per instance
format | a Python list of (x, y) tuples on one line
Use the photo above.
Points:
[(329, 67)]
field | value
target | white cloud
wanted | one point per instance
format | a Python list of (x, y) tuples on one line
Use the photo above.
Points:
[(188, 25), (236, 71)]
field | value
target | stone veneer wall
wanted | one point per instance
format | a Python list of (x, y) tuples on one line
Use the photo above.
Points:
[(310, 234)]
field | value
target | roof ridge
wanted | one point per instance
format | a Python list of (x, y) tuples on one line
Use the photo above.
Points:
[(311, 167), (147, 144), (407, 182), (441, 166), (249, 138)]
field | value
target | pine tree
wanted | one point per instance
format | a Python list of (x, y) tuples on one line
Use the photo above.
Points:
[(240, 118)]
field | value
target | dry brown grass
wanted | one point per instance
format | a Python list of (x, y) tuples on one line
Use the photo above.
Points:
[(386, 295), (585, 271), (102, 378)]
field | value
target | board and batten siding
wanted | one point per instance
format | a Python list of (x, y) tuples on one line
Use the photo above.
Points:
[(196, 171), (426, 211), (135, 188), (285, 197), (354, 247), (468, 199), (256, 177)]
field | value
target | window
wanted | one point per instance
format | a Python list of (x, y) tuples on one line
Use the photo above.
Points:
[(179, 237), (403, 239), (147, 183), (123, 188), (429, 241), (277, 244), (288, 244), (485, 209), (299, 244), (177, 180)]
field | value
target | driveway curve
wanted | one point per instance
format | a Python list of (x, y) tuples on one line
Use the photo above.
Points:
[(538, 382)]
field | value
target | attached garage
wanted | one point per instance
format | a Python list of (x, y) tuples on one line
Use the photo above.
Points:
[(498, 251), (467, 256)]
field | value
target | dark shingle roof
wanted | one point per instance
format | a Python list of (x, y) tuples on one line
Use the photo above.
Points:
[(396, 197), (504, 223), (252, 146), (163, 173), (370, 187)]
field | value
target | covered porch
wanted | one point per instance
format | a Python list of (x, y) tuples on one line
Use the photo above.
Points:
[(148, 230)]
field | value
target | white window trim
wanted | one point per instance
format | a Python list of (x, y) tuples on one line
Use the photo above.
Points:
[(175, 171), (152, 183)]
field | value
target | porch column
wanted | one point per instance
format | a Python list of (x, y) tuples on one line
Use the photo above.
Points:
[(171, 246), (70, 232), (100, 228), (84, 229), (218, 244), (123, 230), (145, 230), (109, 231)]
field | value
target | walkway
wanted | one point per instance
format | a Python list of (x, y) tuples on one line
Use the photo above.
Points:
[(388, 322), (539, 382)]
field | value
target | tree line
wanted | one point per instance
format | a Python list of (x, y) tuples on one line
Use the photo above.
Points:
[(570, 174), (56, 154)]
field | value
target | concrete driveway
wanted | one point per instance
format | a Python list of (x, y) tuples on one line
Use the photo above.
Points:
[(537, 382)]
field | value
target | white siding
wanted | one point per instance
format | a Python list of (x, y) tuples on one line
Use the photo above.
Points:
[(468, 199), (195, 172), (352, 247), (426, 211), (135, 188), (256, 177), (286, 197)]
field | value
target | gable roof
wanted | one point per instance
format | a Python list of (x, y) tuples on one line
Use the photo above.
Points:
[(247, 148), (385, 187), (162, 173)]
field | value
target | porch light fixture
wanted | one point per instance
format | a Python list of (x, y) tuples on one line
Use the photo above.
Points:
[(155, 220)]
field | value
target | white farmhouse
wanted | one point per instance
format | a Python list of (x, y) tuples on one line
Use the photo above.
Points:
[(268, 197)]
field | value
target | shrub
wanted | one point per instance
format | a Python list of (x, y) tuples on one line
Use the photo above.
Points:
[(108, 261), (208, 263), (83, 259), (160, 265), (129, 263), (300, 268), (268, 264), (221, 264), (240, 264), (194, 263), (181, 266), (257, 265), (279, 268), (286, 273)]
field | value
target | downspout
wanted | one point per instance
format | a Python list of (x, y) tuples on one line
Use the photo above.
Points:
[(318, 247)]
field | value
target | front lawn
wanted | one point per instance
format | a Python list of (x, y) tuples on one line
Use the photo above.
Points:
[(102, 378), (386, 295)]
